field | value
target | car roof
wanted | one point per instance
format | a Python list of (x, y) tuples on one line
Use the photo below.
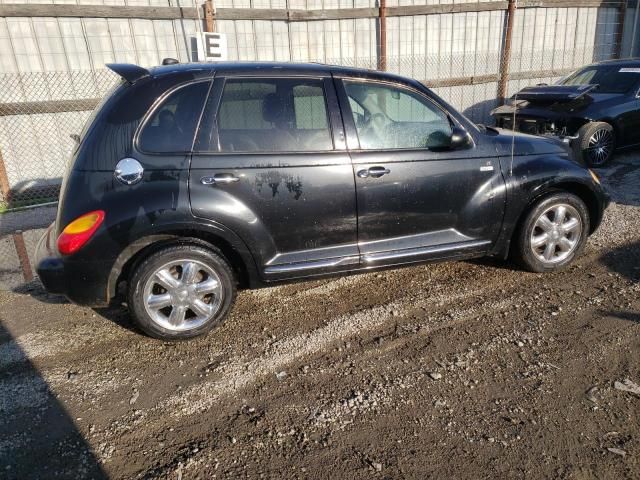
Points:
[(624, 62), (274, 68)]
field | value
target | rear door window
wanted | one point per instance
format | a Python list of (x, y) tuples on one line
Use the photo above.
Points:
[(171, 127), (273, 115)]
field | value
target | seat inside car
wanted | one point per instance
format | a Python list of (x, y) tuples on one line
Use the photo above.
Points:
[(285, 119), (278, 110)]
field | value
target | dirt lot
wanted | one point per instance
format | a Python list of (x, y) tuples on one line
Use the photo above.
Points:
[(456, 370)]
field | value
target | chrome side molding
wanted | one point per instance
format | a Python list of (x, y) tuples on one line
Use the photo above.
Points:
[(373, 257), (412, 252), (301, 266)]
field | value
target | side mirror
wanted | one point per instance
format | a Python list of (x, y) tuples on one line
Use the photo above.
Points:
[(460, 139)]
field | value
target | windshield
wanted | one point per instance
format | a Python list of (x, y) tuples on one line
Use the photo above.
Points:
[(609, 78)]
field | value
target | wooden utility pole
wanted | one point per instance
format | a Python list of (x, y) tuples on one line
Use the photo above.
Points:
[(23, 256), (505, 61), (209, 17), (5, 188), (382, 16)]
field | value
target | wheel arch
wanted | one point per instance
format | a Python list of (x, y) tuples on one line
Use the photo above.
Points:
[(238, 256), (617, 129), (577, 188), (613, 122)]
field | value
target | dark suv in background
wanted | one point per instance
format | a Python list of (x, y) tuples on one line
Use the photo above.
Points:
[(596, 108), (192, 180)]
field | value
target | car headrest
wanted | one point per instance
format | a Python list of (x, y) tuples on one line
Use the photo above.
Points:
[(276, 110)]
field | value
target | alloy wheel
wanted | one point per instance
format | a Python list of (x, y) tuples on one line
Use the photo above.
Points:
[(183, 295), (600, 146), (556, 233)]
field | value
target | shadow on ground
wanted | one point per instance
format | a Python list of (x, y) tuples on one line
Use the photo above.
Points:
[(36, 290), (623, 315), (39, 439), (116, 312), (621, 178), (625, 261)]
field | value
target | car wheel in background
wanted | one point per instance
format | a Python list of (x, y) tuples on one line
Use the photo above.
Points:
[(595, 144), (181, 291), (552, 234)]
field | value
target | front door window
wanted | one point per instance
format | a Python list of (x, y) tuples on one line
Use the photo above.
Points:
[(388, 117)]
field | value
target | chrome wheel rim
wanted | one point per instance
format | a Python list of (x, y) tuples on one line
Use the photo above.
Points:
[(556, 233), (183, 295), (600, 146)]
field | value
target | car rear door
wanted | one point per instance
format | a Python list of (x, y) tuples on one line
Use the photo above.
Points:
[(417, 198), (270, 163)]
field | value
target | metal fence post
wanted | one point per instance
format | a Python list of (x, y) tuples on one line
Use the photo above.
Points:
[(634, 30), (503, 80), (5, 188), (622, 16)]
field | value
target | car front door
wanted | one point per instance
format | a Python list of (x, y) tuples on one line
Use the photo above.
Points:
[(418, 198), (270, 163)]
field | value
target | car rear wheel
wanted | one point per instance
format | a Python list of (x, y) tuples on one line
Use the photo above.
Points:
[(553, 233), (595, 144), (181, 291)]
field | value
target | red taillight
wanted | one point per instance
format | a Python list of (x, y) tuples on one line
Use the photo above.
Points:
[(78, 232)]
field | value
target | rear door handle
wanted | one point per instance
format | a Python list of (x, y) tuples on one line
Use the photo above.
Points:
[(374, 172), (219, 178)]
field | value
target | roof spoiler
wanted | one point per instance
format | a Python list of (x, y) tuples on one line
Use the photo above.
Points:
[(128, 71)]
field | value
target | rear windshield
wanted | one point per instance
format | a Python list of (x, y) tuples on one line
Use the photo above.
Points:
[(610, 79)]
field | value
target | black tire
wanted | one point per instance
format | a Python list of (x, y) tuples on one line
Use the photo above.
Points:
[(530, 257), (592, 137), (209, 263)]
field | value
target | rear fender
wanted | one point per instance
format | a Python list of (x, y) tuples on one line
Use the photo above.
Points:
[(212, 234)]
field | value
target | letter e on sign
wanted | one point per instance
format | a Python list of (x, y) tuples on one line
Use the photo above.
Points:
[(214, 46)]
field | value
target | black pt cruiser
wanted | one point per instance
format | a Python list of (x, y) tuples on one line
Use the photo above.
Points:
[(190, 181)]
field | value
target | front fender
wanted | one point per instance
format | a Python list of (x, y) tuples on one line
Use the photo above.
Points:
[(529, 177)]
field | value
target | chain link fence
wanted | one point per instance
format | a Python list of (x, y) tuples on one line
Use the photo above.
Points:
[(40, 112)]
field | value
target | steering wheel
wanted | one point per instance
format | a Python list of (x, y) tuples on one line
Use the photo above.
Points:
[(376, 120)]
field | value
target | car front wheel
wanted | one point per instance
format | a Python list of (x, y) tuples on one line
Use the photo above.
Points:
[(181, 291), (553, 233), (596, 143)]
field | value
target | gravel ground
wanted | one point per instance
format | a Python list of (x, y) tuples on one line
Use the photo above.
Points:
[(455, 370)]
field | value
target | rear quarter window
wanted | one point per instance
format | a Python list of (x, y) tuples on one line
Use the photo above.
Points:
[(171, 126)]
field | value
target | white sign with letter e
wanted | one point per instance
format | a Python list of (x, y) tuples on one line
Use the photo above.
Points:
[(212, 47)]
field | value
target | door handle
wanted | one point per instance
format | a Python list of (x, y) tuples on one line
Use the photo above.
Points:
[(373, 172), (219, 178)]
